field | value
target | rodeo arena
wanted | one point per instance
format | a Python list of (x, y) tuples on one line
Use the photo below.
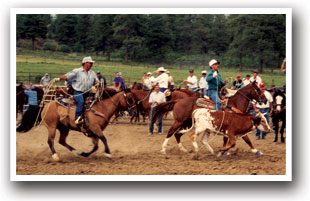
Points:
[(75, 124)]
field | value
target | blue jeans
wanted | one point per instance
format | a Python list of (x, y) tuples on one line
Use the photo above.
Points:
[(160, 121), (215, 97), (194, 89), (267, 118), (204, 91), (162, 89), (79, 99)]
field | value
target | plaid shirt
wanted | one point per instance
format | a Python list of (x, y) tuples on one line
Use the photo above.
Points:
[(82, 81)]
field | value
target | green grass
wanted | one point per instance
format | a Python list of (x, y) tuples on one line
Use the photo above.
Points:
[(57, 64)]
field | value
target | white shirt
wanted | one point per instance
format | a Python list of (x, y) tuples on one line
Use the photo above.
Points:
[(193, 80), (148, 83), (246, 82), (162, 80), (269, 101), (258, 80), (157, 97), (170, 79), (203, 84)]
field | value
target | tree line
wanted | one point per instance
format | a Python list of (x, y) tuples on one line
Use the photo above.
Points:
[(252, 40)]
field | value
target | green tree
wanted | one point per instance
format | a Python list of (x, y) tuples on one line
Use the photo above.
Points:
[(82, 29), (65, 32), (32, 26)]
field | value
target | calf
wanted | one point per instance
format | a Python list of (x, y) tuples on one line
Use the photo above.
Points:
[(226, 123)]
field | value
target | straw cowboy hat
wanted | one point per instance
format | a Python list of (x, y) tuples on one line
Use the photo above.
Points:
[(87, 59), (161, 69)]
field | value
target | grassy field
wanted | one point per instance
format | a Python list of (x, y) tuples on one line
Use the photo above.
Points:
[(56, 64)]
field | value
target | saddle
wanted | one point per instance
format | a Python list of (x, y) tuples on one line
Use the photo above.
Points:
[(205, 103)]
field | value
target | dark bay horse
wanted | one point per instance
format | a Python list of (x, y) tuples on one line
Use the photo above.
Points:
[(279, 113), (55, 116), (21, 98), (183, 109)]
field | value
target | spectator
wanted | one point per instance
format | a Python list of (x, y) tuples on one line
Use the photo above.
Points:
[(170, 81), (191, 81), (147, 82), (256, 78), (215, 83), (203, 84), (157, 97), (123, 79), (264, 108), (101, 78), (161, 79), (238, 82), (246, 80), (118, 82), (45, 80)]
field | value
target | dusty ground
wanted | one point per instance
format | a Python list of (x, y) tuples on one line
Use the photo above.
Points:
[(136, 153)]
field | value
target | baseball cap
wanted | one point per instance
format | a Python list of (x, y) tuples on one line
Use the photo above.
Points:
[(191, 71), (262, 85), (248, 75), (98, 72), (46, 74), (213, 61), (87, 59)]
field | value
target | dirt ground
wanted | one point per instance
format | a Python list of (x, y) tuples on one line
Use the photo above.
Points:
[(136, 153)]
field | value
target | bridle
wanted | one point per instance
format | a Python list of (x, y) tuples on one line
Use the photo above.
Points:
[(251, 100), (130, 107)]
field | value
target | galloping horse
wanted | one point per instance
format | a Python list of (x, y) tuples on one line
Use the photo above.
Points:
[(279, 113), (56, 116), (183, 109)]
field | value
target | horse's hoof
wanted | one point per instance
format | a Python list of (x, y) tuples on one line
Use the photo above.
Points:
[(258, 153), (55, 157), (195, 157), (163, 152), (109, 156)]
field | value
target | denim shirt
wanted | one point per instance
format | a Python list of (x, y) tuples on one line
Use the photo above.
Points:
[(215, 83), (82, 81), (32, 97)]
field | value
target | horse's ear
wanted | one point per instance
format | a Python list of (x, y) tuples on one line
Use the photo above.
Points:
[(127, 90)]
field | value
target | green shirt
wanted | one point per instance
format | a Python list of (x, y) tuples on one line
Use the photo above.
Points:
[(215, 83)]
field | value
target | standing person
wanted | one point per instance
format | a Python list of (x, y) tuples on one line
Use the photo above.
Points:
[(118, 82), (238, 82), (123, 79), (147, 82), (246, 80), (203, 84), (161, 79), (45, 80), (256, 78), (101, 78), (144, 76), (157, 97), (215, 83), (83, 79), (170, 81), (283, 66), (191, 81), (264, 108)]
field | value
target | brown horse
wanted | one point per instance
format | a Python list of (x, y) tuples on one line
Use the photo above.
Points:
[(137, 85), (55, 116), (183, 109)]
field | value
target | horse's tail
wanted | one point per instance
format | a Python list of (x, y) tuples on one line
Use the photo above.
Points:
[(30, 119), (161, 109)]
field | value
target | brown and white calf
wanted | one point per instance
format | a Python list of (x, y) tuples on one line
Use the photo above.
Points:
[(226, 123)]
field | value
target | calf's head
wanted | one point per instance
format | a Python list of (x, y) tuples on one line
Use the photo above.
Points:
[(260, 122)]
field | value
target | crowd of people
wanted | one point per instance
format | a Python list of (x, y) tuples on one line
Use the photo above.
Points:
[(83, 78)]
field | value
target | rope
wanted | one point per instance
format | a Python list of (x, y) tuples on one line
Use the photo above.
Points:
[(217, 132)]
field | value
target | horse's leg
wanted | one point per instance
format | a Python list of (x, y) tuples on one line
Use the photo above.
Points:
[(50, 141), (178, 139), (95, 147), (96, 129), (174, 128), (248, 141), (282, 130), (275, 122), (231, 144), (62, 140)]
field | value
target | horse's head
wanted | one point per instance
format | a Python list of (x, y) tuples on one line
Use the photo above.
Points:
[(128, 102), (279, 100), (254, 92), (136, 85)]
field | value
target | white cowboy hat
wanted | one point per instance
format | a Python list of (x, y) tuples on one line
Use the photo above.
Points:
[(204, 72), (161, 69), (149, 73), (87, 59), (213, 61)]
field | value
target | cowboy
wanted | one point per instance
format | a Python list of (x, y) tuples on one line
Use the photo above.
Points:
[(45, 80), (162, 79), (156, 98), (264, 108), (215, 83), (83, 79), (101, 78), (203, 84), (246, 80), (147, 81), (191, 81)]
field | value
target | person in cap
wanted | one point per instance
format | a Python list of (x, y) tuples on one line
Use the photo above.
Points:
[(170, 81), (238, 82), (161, 79), (147, 82), (101, 78), (118, 82), (256, 78), (83, 79), (45, 80), (157, 97), (264, 108), (215, 83), (191, 81), (203, 84)]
